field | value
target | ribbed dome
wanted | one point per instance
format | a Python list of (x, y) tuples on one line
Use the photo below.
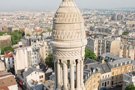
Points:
[(68, 13), (68, 23)]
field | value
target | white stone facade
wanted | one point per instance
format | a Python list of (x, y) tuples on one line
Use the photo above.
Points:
[(69, 40), (127, 51), (129, 78), (33, 74), (105, 80), (25, 57), (9, 62), (2, 66)]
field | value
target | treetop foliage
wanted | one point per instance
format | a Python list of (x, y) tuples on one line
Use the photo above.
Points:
[(90, 54), (130, 87)]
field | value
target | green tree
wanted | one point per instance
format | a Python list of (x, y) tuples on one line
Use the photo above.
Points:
[(49, 30), (2, 33), (49, 61), (41, 34), (130, 87), (90, 54), (6, 49), (16, 36), (27, 34), (125, 33)]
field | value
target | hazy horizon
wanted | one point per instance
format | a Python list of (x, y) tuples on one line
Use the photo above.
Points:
[(28, 5)]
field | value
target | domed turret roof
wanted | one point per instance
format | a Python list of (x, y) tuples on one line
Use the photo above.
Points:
[(68, 25), (68, 12)]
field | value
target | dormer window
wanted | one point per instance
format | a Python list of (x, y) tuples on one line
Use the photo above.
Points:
[(123, 63), (119, 64), (128, 62), (115, 65)]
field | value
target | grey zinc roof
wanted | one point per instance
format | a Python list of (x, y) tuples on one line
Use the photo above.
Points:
[(110, 39), (110, 55), (105, 68), (36, 38), (88, 60), (48, 83), (120, 61), (133, 63), (30, 70), (35, 87)]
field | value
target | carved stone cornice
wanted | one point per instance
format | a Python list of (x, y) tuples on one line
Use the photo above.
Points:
[(67, 53)]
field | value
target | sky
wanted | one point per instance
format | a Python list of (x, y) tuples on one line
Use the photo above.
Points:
[(22, 5)]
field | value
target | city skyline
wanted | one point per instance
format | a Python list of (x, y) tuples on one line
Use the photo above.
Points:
[(31, 5)]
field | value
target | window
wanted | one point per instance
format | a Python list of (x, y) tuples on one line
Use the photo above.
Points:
[(2, 83), (41, 80), (112, 73), (108, 82), (102, 84), (128, 62), (41, 76), (11, 80), (120, 77), (8, 61), (119, 64)]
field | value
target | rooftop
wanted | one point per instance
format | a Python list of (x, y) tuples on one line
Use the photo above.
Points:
[(49, 84), (4, 88), (9, 55), (30, 70), (38, 31), (110, 55), (7, 79), (120, 61)]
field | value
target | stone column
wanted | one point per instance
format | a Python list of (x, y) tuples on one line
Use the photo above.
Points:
[(65, 75), (58, 75), (82, 84), (72, 75), (55, 69), (78, 75), (61, 73)]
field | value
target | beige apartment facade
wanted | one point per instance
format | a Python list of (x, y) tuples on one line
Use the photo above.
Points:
[(111, 73), (127, 51), (5, 41), (102, 45), (93, 82), (118, 68)]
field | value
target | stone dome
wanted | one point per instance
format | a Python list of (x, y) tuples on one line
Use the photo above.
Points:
[(68, 25)]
